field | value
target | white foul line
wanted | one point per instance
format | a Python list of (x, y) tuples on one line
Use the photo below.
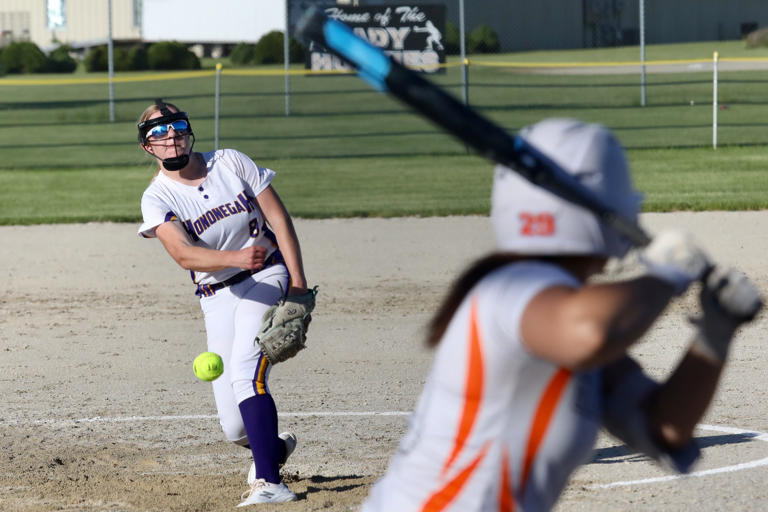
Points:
[(760, 436), (130, 419)]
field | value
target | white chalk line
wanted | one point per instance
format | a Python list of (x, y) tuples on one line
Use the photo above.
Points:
[(193, 417), (760, 436)]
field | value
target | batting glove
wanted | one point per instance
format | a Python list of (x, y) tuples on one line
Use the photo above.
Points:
[(728, 300), (674, 257)]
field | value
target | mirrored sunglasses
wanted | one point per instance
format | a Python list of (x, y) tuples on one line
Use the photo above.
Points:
[(160, 131)]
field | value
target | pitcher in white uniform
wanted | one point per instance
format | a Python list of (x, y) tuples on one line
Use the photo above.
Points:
[(531, 357), (219, 217)]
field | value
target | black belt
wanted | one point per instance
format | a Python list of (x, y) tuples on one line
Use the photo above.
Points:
[(207, 290)]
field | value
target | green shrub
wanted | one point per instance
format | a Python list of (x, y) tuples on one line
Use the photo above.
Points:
[(137, 58), (297, 52), (122, 61), (269, 49), (483, 40), (23, 57), (125, 59), (452, 39), (59, 61), (242, 54), (171, 55), (96, 59), (757, 38)]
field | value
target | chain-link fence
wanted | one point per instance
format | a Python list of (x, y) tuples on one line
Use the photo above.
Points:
[(283, 112), (336, 116)]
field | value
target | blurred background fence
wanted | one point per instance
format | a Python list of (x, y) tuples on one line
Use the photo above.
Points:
[(508, 70), (65, 122)]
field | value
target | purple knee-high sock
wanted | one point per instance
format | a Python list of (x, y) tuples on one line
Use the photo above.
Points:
[(260, 418)]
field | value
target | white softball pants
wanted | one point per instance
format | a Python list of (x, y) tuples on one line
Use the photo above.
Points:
[(232, 320)]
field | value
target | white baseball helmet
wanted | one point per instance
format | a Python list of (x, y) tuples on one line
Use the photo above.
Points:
[(530, 220)]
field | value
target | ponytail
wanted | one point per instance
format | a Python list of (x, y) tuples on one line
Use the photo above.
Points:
[(461, 288), (478, 270)]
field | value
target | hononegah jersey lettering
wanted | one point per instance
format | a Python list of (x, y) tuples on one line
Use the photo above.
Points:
[(496, 428), (221, 213)]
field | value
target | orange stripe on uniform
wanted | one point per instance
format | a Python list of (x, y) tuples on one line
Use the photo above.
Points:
[(506, 497), (473, 394), (443, 497), (473, 388), (542, 419)]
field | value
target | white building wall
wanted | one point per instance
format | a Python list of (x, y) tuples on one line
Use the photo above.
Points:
[(206, 21), (86, 22), (520, 24)]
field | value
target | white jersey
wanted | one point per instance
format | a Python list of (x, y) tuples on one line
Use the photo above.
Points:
[(221, 213), (496, 428)]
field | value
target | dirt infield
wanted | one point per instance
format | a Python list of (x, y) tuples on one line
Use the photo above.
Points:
[(103, 413)]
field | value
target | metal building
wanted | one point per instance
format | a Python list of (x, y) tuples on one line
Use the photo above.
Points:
[(520, 24), (562, 24), (78, 23)]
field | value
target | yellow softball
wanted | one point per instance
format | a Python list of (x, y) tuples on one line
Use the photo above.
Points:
[(208, 366)]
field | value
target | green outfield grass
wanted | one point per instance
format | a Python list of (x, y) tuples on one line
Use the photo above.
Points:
[(348, 151), (698, 50), (690, 179)]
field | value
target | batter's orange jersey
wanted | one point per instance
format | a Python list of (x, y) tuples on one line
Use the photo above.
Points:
[(496, 428)]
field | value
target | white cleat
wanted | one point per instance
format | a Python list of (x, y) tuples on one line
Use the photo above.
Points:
[(264, 492), (290, 440)]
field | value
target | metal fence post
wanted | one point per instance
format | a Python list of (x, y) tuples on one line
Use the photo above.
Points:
[(287, 57), (464, 61), (217, 101), (714, 102), (642, 52), (110, 63)]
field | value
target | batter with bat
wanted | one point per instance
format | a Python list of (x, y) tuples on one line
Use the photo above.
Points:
[(531, 356), (219, 217)]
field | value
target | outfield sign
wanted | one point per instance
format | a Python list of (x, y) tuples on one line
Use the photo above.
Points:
[(411, 34)]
